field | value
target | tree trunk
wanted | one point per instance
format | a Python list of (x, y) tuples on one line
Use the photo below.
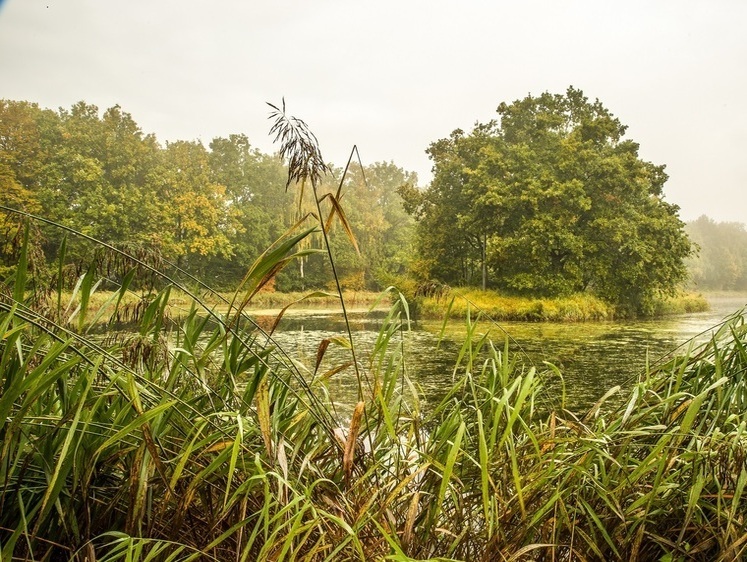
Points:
[(484, 260)]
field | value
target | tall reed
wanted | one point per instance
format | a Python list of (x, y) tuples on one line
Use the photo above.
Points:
[(200, 439)]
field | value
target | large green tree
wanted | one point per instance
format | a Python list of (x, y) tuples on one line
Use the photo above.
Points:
[(197, 220), (97, 178), (548, 200), (20, 154)]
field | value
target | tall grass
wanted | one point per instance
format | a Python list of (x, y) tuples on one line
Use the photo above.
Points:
[(198, 438), (433, 301)]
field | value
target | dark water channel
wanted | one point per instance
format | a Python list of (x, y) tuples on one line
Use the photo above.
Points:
[(592, 357)]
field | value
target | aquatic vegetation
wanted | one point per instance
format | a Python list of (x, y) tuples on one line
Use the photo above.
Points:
[(581, 307)]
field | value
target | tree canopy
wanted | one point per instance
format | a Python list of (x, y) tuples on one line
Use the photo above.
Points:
[(549, 199), (212, 209)]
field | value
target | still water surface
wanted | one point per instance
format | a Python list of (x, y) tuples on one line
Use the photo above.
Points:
[(592, 357)]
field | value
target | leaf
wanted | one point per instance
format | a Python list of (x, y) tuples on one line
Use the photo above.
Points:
[(262, 397), (449, 466), (320, 353), (19, 287), (349, 453), (343, 220)]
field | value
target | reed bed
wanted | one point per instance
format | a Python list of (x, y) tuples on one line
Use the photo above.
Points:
[(199, 439), (196, 437)]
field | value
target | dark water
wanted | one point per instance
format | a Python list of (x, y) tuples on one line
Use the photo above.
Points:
[(592, 357)]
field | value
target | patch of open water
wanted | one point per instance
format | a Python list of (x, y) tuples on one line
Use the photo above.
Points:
[(592, 357)]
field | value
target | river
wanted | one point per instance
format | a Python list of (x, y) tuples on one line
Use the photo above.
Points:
[(592, 356)]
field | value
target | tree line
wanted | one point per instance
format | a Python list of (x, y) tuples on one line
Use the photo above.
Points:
[(720, 261), (211, 210), (548, 199)]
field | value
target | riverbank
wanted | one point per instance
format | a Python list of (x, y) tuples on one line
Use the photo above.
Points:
[(103, 306), (581, 307), (219, 442), (457, 302)]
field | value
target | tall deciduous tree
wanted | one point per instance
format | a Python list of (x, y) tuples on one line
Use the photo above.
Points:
[(95, 172), (550, 199), (20, 159), (197, 220), (20, 154)]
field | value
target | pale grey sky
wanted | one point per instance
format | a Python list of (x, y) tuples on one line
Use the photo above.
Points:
[(394, 75)]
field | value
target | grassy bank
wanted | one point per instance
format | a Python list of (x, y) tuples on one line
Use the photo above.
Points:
[(274, 300), (106, 306), (456, 302), (581, 307)]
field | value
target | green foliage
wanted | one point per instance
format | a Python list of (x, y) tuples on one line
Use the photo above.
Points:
[(257, 201), (20, 154), (375, 214), (196, 218), (549, 201), (20, 157), (581, 307), (212, 210), (721, 260), (683, 303), (200, 439)]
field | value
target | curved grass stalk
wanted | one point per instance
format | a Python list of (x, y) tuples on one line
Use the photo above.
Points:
[(155, 410)]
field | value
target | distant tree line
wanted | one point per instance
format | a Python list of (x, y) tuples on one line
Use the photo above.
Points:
[(548, 200), (720, 262), (211, 210)]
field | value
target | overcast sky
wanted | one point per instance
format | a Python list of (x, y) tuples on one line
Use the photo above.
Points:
[(392, 76)]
